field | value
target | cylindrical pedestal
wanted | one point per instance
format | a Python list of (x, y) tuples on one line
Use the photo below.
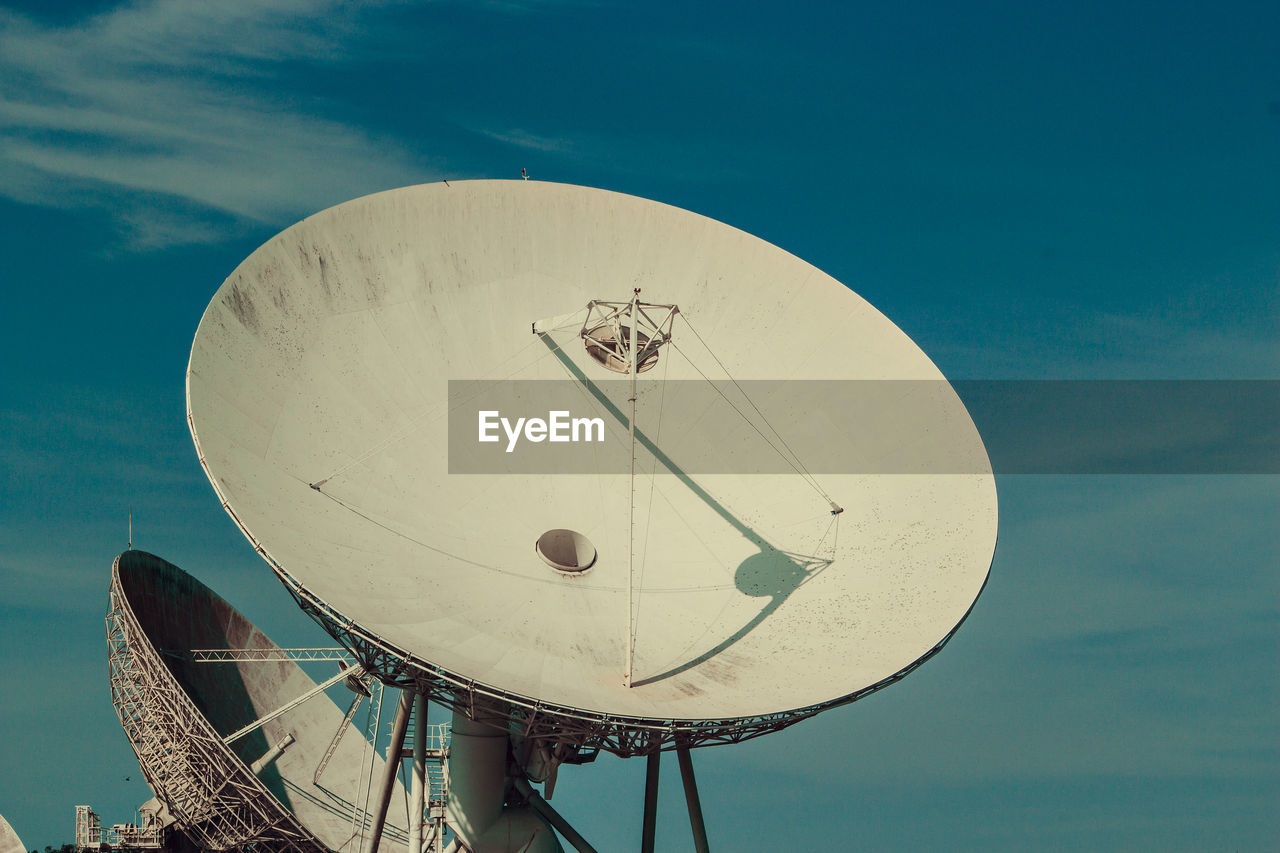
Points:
[(476, 810)]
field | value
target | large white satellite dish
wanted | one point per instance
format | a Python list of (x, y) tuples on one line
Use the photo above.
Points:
[(319, 400)]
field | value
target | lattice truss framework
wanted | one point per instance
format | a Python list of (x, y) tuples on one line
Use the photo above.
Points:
[(571, 734), (218, 803)]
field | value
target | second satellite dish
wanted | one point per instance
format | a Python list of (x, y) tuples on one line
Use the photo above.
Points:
[(229, 776)]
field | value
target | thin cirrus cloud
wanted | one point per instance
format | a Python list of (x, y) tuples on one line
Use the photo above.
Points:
[(520, 138), (173, 113)]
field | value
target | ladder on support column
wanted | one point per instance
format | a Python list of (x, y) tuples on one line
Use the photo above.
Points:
[(436, 781)]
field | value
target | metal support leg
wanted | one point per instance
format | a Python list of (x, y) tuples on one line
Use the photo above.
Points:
[(691, 797), (648, 834), (394, 750), (418, 798), (553, 817)]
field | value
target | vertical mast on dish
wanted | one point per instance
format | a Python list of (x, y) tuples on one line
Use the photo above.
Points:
[(632, 365)]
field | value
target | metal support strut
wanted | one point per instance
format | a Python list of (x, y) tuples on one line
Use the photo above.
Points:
[(286, 708), (553, 817), (418, 798), (394, 749), (648, 832), (691, 797)]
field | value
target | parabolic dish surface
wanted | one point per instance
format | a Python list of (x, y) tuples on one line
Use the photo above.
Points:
[(325, 360), (9, 841), (176, 712)]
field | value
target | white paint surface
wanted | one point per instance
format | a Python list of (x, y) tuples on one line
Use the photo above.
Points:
[(9, 841), (326, 355)]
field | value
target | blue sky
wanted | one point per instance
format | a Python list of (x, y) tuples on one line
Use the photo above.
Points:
[(1082, 191)]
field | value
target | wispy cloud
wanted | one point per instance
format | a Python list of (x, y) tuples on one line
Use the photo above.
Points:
[(618, 154), (532, 142), (180, 116)]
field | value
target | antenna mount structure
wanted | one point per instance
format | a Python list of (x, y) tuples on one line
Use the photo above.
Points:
[(755, 613), (625, 337), (620, 334)]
